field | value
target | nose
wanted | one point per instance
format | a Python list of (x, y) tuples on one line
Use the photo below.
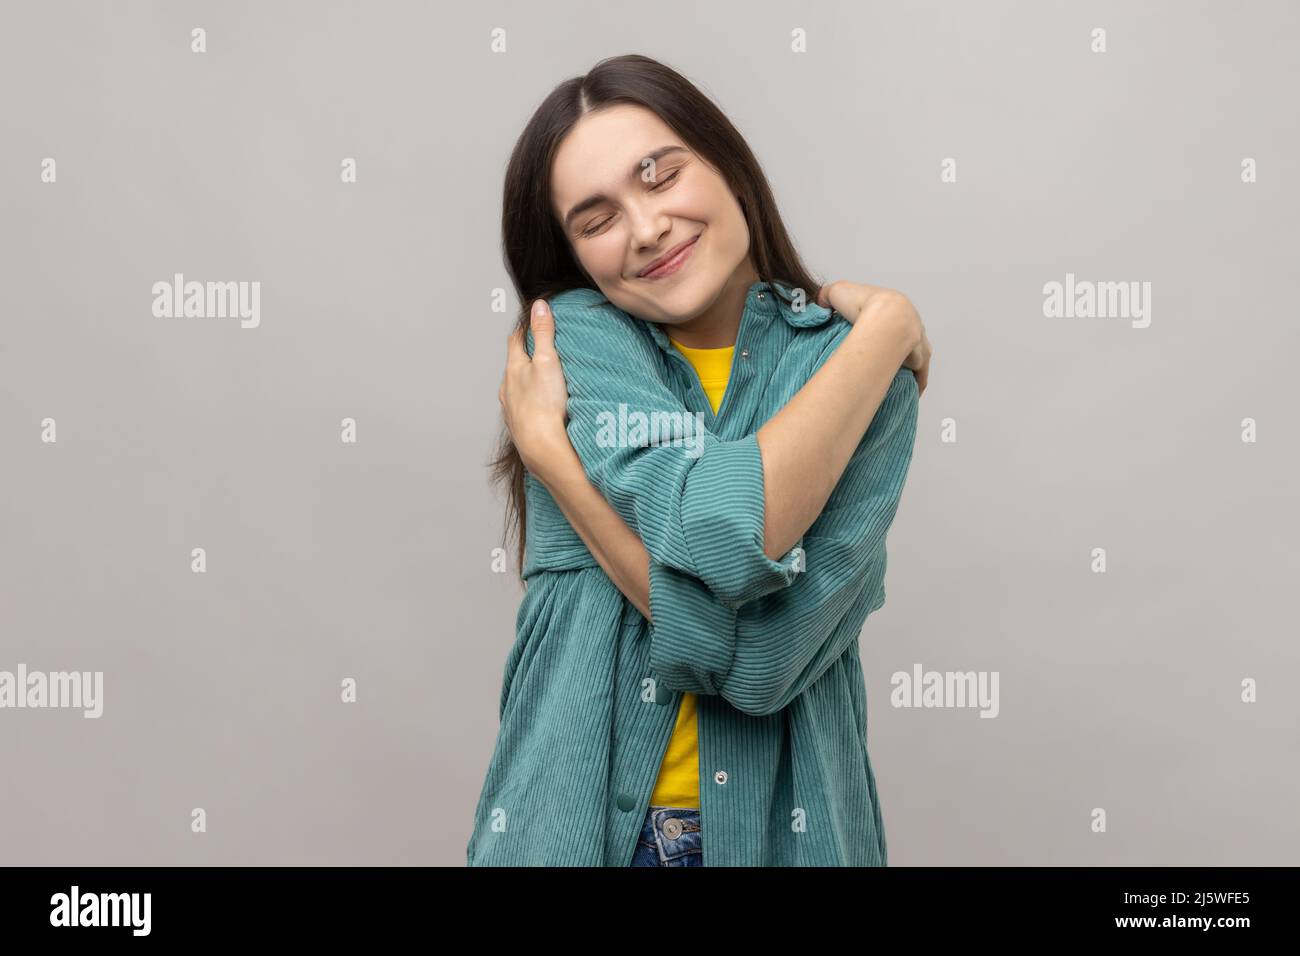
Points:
[(647, 227)]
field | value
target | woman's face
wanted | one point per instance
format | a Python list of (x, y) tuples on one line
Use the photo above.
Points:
[(627, 191)]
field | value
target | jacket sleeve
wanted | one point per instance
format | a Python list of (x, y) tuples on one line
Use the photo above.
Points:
[(765, 653), (695, 500)]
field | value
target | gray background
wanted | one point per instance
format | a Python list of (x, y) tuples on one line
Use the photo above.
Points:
[(373, 561)]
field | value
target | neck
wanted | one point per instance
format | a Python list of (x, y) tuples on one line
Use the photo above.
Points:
[(718, 325)]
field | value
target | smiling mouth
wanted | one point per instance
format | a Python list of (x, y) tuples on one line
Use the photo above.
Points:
[(671, 262)]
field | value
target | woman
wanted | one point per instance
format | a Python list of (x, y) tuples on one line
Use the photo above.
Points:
[(695, 596)]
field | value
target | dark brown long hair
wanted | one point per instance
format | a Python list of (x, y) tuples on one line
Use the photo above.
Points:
[(537, 253)]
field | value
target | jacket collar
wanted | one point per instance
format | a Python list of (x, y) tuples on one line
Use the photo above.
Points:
[(764, 300)]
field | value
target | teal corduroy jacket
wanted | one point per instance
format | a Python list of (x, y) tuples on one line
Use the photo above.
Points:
[(591, 689)]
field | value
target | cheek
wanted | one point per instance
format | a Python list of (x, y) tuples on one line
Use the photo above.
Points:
[(729, 229), (702, 202), (715, 206), (602, 256)]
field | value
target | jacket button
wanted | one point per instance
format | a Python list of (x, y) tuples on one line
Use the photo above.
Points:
[(744, 353), (720, 776), (761, 296), (625, 802), (662, 695)]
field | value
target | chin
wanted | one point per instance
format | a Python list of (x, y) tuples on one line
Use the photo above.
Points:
[(688, 299)]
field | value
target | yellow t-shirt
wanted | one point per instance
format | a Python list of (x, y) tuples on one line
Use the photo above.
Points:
[(678, 784)]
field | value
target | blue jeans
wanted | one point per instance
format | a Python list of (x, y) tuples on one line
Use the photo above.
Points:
[(670, 836)]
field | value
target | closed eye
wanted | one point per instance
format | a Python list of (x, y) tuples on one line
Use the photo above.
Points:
[(666, 180), (657, 186)]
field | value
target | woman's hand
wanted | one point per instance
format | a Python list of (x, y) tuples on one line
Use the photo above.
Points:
[(860, 301), (534, 397)]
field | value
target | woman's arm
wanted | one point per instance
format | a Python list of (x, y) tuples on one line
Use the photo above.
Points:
[(805, 432), (807, 444), (763, 654), (700, 514), (615, 546)]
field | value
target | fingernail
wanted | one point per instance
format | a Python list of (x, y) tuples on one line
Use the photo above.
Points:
[(539, 307)]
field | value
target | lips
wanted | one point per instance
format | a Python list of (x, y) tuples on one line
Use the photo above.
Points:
[(666, 257)]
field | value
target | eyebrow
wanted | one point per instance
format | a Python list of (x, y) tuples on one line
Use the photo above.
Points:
[(598, 198)]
